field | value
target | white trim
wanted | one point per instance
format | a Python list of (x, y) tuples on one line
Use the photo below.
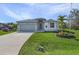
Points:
[(36, 27)]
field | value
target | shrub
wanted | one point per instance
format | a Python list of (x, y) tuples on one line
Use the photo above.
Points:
[(66, 34), (75, 27), (61, 34)]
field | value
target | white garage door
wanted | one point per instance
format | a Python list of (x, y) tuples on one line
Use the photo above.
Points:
[(28, 27)]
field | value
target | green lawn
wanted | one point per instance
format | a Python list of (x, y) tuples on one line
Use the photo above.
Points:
[(51, 43), (4, 32)]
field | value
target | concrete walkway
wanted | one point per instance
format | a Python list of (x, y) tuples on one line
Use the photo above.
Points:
[(10, 44)]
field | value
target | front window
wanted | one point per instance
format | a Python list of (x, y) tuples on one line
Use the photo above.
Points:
[(51, 25)]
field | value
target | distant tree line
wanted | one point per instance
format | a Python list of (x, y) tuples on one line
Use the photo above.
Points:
[(8, 26)]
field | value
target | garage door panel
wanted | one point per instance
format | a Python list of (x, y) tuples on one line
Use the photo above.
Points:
[(27, 27)]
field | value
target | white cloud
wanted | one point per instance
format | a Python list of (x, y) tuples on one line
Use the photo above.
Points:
[(22, 15), (32, 4), (75, 5), (37, 10), (59, 8), (51, 9), (62, 8), (26, 15), (1, 21)]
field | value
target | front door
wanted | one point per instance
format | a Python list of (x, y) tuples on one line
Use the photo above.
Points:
[(40, 26)]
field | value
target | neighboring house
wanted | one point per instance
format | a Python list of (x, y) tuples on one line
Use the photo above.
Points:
[(36, 25)]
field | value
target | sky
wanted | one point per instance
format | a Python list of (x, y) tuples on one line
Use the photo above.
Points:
[(12, 12)]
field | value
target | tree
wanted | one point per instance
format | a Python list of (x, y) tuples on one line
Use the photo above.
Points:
[(61, 25), (12, 25), (74, 17), (61, 22)]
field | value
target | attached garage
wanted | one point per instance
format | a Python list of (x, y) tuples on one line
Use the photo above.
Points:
[(27, 27)]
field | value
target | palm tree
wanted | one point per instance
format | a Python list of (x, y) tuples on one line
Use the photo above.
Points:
[(61, 22)]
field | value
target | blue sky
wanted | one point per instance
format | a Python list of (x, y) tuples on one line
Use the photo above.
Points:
[(12, 12)]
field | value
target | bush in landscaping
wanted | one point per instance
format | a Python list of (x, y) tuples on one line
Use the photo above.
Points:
[(66, 34), (61, 34), (75, 27)]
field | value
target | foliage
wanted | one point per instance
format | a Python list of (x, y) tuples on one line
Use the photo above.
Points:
[(65, 35), (75, 27), (74, 18), (74, 13), (61, 34), (12, 25), (61, 22), (8, 26)]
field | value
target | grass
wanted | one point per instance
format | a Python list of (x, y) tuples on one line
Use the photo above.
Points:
[(52, 44), (4, 32)]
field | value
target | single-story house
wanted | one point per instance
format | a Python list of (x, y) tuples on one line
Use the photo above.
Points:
[(36, 25)]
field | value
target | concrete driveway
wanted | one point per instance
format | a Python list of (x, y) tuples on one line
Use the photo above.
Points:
[(10, 44)]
